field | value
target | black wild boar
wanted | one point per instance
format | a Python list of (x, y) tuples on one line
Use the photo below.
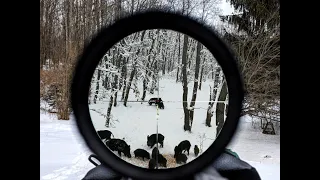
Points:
[(141, 153), (154, 101), (161, 105), (162, 161), (119, 145), (105, 134), (196, 150), (183, 146), (152, 140), (152, 164), (155, 151), (181, 158)]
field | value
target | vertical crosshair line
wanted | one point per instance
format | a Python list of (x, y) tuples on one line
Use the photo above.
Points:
[(157, 116)]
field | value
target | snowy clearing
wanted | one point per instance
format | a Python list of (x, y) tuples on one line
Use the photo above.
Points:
[(138, 120)]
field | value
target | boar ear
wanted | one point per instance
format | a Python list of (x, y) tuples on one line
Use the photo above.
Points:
[(148, 137)]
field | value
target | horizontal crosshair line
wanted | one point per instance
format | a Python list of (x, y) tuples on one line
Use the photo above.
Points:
[(172, 101)]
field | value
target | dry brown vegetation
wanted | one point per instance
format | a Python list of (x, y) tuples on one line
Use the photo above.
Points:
[(54, 87), (171, 162), (65, 26)]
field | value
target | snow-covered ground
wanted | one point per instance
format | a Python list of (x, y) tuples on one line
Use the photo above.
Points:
[(138, 120), (64, 155)]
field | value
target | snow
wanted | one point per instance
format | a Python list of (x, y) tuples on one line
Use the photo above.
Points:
[(63, 154), (138, 120)]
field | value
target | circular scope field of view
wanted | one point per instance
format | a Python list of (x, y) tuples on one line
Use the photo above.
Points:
[(158, 96)]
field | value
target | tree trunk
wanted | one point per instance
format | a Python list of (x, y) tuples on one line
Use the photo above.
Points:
[(185, 85), (109, 111), (209, 112), (144, 90), (201, 73), (220, 110), (212, 72), (118, 16), (191, 54), (133, 72), (177, 79), (217, 82), (116, 81), (97, 87), (154, 79), (106, 83), (121, 74), (195, 84), (164, 63), (124, 79)]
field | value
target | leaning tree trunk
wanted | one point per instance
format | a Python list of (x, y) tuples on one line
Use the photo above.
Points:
[(220, 110), (195, 84), (185, 85), (133, 72)]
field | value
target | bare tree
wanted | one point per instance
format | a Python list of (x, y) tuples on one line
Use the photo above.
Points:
[(133, 72), (149, 64), (195, 84), (118, 12), (187, 126)]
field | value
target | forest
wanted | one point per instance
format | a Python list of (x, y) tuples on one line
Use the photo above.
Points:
[(134, 67)]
